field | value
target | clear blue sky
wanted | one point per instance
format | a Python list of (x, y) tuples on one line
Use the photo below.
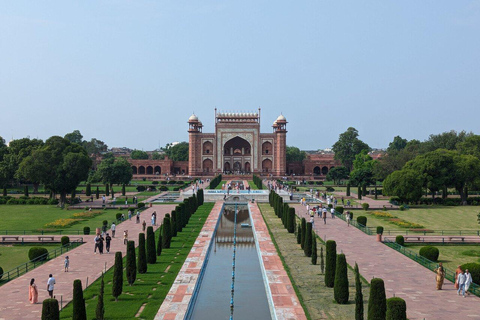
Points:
[(131, 72)]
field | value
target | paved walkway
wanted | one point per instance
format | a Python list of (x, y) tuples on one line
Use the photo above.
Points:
[(403, 277), (84, 264)]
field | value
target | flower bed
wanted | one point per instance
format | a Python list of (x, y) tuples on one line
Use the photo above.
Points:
[(396, 220), (62, 223)]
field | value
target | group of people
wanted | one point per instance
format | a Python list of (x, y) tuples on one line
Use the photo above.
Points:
[(33, 290), (99, 240), (463, 279)]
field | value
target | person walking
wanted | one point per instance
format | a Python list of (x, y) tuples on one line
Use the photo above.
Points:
[(66, 263), (100, 246), (457, 272), (125, 237), (113, 227), (347, 218), (332, 211), (32, 292), (468, 281), (461, 283), (130, 215), (440, 276), (108, 239), (324, 215), (312, 221), (97, 243), (138, 217), (144, 225), (50, 285)]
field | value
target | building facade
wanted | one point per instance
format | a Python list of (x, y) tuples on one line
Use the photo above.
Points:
[(237, 145)]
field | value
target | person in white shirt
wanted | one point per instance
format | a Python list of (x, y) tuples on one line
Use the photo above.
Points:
[(50, 285), (113, 227), (468, 281), (461, 283), (332, 211)]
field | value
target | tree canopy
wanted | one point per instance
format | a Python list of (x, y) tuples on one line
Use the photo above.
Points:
[(138, 154), (362, 173), (178, 152), (337, 174), (295, 154), (114, 171), (348, 146)]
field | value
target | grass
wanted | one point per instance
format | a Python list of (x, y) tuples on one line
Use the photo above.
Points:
[(35, 217), (307, 280), (219, 187), (433, 218), (252, 185), (453, 255), (150, 288), (12, 256)]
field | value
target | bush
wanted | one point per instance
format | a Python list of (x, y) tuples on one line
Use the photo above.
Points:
[(340, 209), (377, 302), (430, 252), (50, 310), (362, 220), (141, 188), (142, 254), (151, 254), (118, 216), (365, 206), (131, 265), (117, 283), (396, 309), (331, 262), (379, 230), (154, 182), (86, 231), (1, 272), (37, 254), (299, 235), (474, 269), (304, 232), (401, 208), (400, 240), (79, 312), (163, 188), (64, 240), (330, 189), (163, 182), (340, 289), (307, 246), (358, 295), (88, 190)]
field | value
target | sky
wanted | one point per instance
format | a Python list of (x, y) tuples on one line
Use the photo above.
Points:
[(130, 73)]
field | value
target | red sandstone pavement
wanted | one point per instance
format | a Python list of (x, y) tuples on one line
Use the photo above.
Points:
[(403, 277), (84, 264)]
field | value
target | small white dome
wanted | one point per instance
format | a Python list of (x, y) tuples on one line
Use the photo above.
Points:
[(281, 118), (193, 117)]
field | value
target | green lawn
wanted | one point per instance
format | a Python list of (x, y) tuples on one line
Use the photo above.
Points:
[(12, 256), (219, 187), (433, 218), (150, 288), (34, 217), (453, 256), (252, 185)]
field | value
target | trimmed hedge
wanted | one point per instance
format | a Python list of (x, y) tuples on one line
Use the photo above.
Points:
[(79, 311), (307, 246), (331, 262), (377, 302), (379, 230), (396, 309), (365, 206), (304, 232), (50, 310), (340, 289), (37, 254), (339, 209), (65, 240), (117, 283), (131, 265), (430, 252), (362, 220), (400, 240), (142, 254), (151, 254)]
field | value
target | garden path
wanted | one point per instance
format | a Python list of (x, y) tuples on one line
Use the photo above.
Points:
[(84, 264), (403, 277)]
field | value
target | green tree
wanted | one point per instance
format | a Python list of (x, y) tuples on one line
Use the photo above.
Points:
[(304, 232), (337, 174), (348, 146), (123, 189), (142, 254), (79, 311), (157, 156), (131, 265), (397, 144), (97, 193), (377, 302), (358, 295), (178, 152), (405, 184), (167, 232), (50, 310), (100, 309), (74, 137), (466, 174), (139, 154), (151, 254), (88, 190), (294, 154), (314, 249), (331, 263), (340, 289), (396, 309), (94, 146), (322, 261), (362, 173), (299, 235), (160, 242), (117, 282), (114, 171), (307, 246), (291, 220), (470, 146), (447, 140)]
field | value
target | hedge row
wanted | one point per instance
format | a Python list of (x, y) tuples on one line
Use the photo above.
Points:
[(215, 181), (27, 200), (473, 201), (258, 182)]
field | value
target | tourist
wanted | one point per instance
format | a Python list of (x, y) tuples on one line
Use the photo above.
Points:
[(347, 218), (50, 285), (113, 227), (103, 199), (144, 225), (138, 217), (125, 237), (348, 203), (457, 272), (312, 221), (32, 292), (66, 263), (343, 201), (332, 211), (97, 243), (324, 215), (468, 281), (461, 283), (130, 215), (126, 200), (100, 245), (108, 239), (440, 276)]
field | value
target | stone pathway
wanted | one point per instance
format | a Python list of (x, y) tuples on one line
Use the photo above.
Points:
[(84, 264), (403, 277)]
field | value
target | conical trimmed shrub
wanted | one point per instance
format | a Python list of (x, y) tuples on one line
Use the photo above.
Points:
[(50, 310), (131, 263), (100, 309), (314, 249), (304, 232), (151, 254), (396, 309), (358, 295), (160, 241), (167, 232), (107, 190), (88, 190), (340, 289), (299, 235), (330, 263), (97, 193), (117, 283), (174, 223), (291, 220), (79, 311), (142, 254), (307, 246), (322, 261), (377, 302)]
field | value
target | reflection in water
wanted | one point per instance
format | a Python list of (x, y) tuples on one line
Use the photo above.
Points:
[(213, 300)]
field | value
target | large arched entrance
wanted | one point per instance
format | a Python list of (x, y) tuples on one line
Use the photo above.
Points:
[(316, 170), (267, 165), (237, 153), (207, 165)]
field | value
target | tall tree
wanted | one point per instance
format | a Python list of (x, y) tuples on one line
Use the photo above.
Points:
[(405, 184), (362, 173), (117, 283), (114, 171), (95, 146), (348, 146), (79, 311), (295, 154), (358, 295), (397, 144), (337, 174), (139, 154), (446, 140), (178, 152), (74, 137)]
